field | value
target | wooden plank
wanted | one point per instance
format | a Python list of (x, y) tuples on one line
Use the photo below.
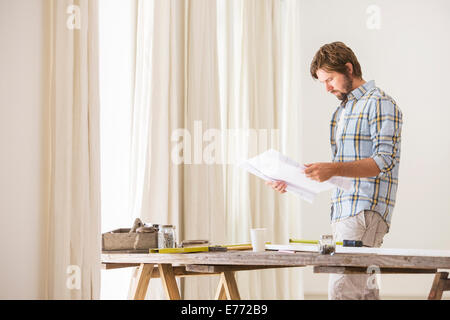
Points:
[(143, 278), (359, 270), (137, 251), (181, 271), (439, 284), (169, 281), (447, 285), (221, 268), (110, 266), (273, 258), (230, 286)]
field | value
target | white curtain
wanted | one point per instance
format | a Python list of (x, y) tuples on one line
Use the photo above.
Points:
[(258, 91), (177, 92), (155, 182), (217, 65), (74, 204)]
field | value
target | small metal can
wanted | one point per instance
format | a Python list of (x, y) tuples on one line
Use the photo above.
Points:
[(166, 236), (327, 244)]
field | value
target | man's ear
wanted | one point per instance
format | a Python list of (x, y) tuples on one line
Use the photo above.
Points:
[(349, 68)]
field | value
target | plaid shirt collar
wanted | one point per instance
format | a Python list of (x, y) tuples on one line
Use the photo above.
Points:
[(359, 92)]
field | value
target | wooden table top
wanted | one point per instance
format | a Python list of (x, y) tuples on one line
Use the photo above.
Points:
[(275, 258)]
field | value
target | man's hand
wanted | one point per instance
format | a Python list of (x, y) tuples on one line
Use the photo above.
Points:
[(279, 186), (321, 171)]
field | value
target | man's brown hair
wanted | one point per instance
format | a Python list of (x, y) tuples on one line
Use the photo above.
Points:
[(333, 57)]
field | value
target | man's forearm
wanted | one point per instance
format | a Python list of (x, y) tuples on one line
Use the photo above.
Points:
[(357, 169)]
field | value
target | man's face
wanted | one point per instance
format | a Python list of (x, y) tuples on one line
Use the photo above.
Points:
[(336, 83)]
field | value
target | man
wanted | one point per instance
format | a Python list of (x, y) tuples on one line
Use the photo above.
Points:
[(365, 144)]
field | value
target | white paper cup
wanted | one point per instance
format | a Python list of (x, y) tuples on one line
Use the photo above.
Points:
[(258, 237)]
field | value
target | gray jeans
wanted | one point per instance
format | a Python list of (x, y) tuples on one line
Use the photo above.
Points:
[(369, 227)]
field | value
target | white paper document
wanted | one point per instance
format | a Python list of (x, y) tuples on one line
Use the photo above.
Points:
[(274, 166), (301, 247)]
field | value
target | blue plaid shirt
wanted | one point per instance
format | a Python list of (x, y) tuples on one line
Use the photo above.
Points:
[(371, 128)]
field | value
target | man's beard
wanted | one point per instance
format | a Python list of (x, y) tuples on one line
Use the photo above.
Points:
[(348, 84)]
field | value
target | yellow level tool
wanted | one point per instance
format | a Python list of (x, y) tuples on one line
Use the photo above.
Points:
[(338, 243)]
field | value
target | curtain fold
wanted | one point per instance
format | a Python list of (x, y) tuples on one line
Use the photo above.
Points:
[(257, 94), (156, 182), (74, 245), (204, 214), (204, 69), (176, 97)]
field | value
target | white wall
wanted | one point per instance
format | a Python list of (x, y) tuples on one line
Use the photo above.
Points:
[(408, 58), (22, 160)]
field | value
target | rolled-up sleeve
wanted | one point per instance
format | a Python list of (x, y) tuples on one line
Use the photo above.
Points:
[(385, 121)]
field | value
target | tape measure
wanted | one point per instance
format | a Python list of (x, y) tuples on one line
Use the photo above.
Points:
[(345, 243)]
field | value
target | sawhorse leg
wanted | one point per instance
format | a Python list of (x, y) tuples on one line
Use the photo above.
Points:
[(142, 276), (441, 283), (169, 282), (140, 281), (227, 288)]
